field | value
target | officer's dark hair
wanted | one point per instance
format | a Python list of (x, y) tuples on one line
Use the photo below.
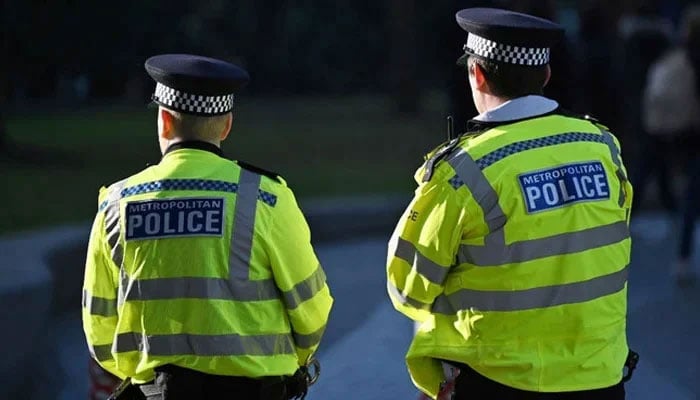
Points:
[(192, 127), (511, 81)]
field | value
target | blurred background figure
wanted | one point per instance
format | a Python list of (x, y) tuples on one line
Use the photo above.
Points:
[(644, 36), (672, 117)]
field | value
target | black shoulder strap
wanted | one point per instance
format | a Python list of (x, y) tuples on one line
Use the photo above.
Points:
[(431, 163), (571, 114), (448, 148), (252, 168)]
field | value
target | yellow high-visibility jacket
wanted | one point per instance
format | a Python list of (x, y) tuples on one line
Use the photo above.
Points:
[(206, 264), (513, 257)]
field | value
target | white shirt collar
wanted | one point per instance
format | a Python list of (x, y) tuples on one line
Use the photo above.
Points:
[(519, 108)]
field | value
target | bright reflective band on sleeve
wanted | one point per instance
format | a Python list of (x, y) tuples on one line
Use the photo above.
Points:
[(112, 225), (615, 154), (99, 306), (206, 345), (305, 290), (309, 340), (177, 217), (566, 184), (101, 352), (405, 300), (528, 299), (431, 270)]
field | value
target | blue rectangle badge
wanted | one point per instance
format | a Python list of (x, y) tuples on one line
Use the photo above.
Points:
[(566, 184), (151, 219)]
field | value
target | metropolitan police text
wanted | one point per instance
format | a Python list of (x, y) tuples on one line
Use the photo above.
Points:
[(181, 217), (564, 185)]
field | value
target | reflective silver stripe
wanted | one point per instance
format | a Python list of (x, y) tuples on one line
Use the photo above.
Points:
[(101, 352), (243, 225), (99, 305), (112, 223), (528, 299), (615, 154), (495, 251), (305, 290), (124, 286), (480, 188), (205, 345), (528, 250), (405, 300), (429, 269), (202, 288), (309, 340), (238, 287)]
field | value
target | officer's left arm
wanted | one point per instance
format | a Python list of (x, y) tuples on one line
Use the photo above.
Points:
[(298, 274), (626, 184), (423, 247), (99, 311)]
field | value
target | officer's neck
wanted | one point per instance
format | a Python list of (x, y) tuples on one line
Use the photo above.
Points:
[(488, 102), (198, 144)]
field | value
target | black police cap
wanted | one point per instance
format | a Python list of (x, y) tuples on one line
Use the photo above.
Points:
[(194, 84), (507, 37)]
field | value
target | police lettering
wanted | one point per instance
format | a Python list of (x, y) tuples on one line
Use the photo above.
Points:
[(172, 218), (562, 185)]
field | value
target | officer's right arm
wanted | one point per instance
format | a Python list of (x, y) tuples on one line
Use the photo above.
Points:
[(298, 274), (100, 287), (423, 247)]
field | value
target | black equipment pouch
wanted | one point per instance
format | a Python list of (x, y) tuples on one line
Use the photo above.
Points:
[(631, 364), (298, 385), (127, 391)]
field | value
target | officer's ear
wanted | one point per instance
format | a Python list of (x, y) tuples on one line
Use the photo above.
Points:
[(165, 124), (478, 77), (227, 127), (547, 76)]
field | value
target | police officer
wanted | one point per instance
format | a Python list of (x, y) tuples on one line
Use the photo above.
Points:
[(513, 255), (201, 281)]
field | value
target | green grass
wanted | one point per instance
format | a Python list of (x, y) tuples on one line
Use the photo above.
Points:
[(321, 146)]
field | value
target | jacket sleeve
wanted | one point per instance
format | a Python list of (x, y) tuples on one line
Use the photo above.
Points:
[(99, 305), (299, 275), (423, 248), (627, 188)]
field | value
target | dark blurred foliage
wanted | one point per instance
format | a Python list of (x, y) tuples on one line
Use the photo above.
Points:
[(85, 49), (296, 46)]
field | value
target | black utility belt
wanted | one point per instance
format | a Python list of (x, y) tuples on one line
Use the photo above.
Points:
[(241, 382), (288, 387)]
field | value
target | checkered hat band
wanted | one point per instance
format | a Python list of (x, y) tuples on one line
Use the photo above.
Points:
[(506, 53), (192, 103)]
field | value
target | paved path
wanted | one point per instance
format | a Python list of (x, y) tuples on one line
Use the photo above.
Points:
[(363, 351)]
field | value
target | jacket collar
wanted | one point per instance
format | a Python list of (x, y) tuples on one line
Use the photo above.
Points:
[(194, 144), (519, 108)]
